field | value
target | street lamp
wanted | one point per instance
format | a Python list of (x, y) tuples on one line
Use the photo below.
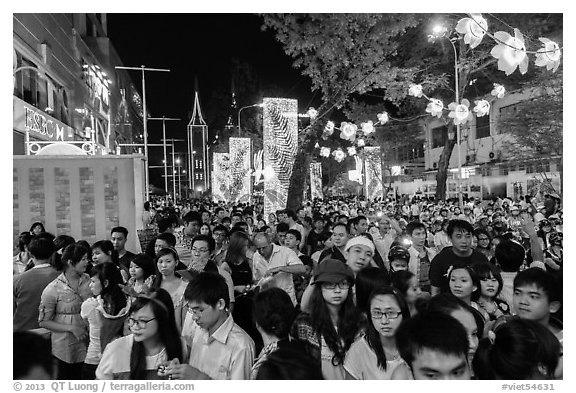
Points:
[(440, 31), (244, 107), (145, 117), (165, 161)]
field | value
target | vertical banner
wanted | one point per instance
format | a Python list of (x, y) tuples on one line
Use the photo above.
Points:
[(280, 145), (316, 180), (221, 177), (240, 173), (373, 170)]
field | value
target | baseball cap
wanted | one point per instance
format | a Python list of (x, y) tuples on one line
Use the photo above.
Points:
[(332, 270), (360, 240)]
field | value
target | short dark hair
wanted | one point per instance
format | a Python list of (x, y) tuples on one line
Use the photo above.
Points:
[(447, 303), (221, 228), (208, 288), (208, 239), (290, 213), (121, 230), (289, 363), (31, 350), (41, 248), (486, 269), (509, 255), (191, 217), (168, 238), (543, 280), (24, 240), (520, 348), (340, 224), (413, 225), (282, 227), (165, 223), (429, 330), (296, 233), (274, 312), (459, 224)]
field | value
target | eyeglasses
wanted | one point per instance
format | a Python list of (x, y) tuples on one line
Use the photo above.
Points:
[(332, 285), (194, 249), (377, 314), (141, 323), (193, 310)]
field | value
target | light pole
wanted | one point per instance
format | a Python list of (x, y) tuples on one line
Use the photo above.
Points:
[(173, 166), (163, 118), (178, 178), (440, 31), (145, 117), (244, 107)]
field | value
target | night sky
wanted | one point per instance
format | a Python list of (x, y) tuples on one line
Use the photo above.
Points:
[(201, 45)]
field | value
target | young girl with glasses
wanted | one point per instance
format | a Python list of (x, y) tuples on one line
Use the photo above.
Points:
[(334, 322), (375, 355), (155, 341)]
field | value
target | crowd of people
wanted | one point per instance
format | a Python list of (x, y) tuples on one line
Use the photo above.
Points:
[(341, 288)]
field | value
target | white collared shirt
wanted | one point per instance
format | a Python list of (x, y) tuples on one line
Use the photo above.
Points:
[(226, 354), (281, 256)]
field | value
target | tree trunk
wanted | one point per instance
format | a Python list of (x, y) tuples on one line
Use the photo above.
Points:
[(443, 164), (299, 179)]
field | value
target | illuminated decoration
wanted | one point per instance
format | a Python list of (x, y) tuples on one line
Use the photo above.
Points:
[(473, 29), (383, 118), (98, 86), (325, 151), (368, 127), (549, 55), (373, 168), (435, 107), (498, 90), (240, 150), (258, 167), (482, 108), (415, 90), (359, 168), (221, 177), (348, 131), (351, 151), (353, 175), (339, 155), (280, 146), (316, 180), (510, 52), (460, 113)]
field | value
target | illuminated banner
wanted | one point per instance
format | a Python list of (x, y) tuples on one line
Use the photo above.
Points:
[(280, 145), (240, 179), (316, 180), (373, 168), (40, 125), (221, 177)]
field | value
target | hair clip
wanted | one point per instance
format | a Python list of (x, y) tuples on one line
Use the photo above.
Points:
[(491, 336)]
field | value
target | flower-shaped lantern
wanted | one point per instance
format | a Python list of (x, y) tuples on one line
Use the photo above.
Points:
[(473, 29), (368, 127), (325, 151), (435, 107), (498, 90), (549, 55), (351, 151), (360, 143), (415, 90), (510, 52), (482, 108), (460, 112), (339, 155), (383, 118), (348, 131)]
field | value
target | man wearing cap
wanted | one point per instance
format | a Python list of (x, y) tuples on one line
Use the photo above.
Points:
[(278, 261), (359, 253)]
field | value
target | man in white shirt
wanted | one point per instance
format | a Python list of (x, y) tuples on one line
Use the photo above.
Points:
[(219, 348), (278, 261)]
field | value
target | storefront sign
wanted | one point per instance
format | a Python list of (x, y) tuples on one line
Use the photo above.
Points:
[(40, 125)]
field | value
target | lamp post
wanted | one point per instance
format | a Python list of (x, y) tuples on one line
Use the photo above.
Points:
[(440, 32), (244, 107), (145, 117), (165, 161)]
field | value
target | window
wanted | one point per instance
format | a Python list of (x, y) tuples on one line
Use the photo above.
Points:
[(482, 126), (508, 112), (439, 136), (547, 166), (529, 168), (503, 170), (521, 168)]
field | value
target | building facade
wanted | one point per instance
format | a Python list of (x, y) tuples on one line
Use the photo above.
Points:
[(66, 88), (487, 167)]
